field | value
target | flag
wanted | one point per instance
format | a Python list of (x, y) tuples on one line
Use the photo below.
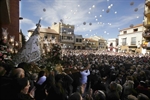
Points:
[(31, 51)]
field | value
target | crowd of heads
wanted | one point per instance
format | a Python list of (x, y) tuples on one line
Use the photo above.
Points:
[(113, 76)]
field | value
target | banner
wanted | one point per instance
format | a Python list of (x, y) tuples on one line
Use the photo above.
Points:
[(31, 51)]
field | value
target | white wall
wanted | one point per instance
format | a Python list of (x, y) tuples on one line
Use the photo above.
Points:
[(131, 30), (138, 36), (114, 41), (130, 33)]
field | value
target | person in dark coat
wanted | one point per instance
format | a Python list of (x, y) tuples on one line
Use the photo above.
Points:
[(113, 94), (76, 79), (99, 86), (99, 95), (40, 91), (58, 90), (24, 84), (75, 96), (10, 89)]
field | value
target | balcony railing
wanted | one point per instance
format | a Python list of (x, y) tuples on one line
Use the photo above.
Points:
[(78, 36), (133, 43), (78, 43), (147, 2), (67, 33), (68, 41)]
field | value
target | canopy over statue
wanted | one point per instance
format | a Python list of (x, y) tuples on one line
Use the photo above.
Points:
[(31, 51)]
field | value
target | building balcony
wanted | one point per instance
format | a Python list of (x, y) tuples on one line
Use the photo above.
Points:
[(146, 24), (78, 36), (147, 13), (67, 41), (146, 35), (77, 42), (133, 43), (124, 43), (147, 2), (67, 33)]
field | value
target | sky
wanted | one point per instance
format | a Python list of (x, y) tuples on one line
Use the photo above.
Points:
[(107, 17)]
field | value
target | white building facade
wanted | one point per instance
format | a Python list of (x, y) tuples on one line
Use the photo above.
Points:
[(130, 39), (102, 43)]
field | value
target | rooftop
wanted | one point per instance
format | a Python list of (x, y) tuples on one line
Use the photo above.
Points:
[(45, 30), (138, 25)]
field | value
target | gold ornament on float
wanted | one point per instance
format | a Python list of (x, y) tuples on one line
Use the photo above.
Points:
[(59, 68)]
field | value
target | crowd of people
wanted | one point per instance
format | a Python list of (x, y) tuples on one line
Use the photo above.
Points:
[(83, 75)]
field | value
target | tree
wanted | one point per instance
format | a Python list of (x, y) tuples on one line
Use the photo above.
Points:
[(53, 58)]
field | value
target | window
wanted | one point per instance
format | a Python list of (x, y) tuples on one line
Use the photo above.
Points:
[(63, 37), (135, 30), (124, 40), (76, 40), (124, 32), (133, 40), (70, 31), (69, 38), (101, 45), (64, 30), (80, 40), (53, 36)]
